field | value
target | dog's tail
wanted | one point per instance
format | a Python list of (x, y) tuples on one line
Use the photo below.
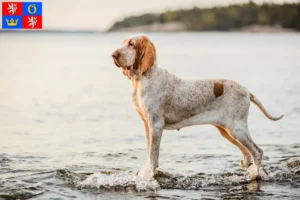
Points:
[(262, 109)]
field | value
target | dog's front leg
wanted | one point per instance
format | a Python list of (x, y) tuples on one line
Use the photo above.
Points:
[(155, 128), (147, 133)]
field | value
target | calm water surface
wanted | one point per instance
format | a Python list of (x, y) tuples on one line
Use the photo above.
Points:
[(67, 127)]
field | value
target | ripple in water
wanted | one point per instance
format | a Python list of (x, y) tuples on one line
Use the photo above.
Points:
[(288, 170)]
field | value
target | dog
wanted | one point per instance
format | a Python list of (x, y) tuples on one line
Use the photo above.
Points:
[(166, 102)]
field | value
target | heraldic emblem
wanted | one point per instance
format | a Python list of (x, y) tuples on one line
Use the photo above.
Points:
[(22, 15)]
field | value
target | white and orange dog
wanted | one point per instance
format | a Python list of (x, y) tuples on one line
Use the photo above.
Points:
[(165, 101)]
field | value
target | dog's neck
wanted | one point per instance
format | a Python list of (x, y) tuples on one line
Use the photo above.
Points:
[(138, 80), (151, 76), (150, 70), (134, 76)]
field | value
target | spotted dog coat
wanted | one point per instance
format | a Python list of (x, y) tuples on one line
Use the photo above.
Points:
[(165, 101)]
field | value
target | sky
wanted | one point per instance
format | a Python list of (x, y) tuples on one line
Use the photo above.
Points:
[(101, 14)]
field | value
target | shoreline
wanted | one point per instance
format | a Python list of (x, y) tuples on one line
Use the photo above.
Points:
[(164, 28)]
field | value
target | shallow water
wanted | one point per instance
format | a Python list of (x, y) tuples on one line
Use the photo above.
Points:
[(68, 129)]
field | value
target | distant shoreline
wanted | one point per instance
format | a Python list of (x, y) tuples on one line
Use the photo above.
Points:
[(247, 17), (177, 27), (50, 31), (161, 29)]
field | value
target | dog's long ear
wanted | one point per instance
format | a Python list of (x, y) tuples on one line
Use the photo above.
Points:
[(126, 73), (145, 55)]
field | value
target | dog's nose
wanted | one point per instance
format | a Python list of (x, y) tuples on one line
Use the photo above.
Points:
[(115, 54)]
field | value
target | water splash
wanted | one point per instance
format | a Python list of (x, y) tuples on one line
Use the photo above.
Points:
[(111, 182), (287, 170)]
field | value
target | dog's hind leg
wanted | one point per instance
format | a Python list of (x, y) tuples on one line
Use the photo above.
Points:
[(246, 162), (240, 132)]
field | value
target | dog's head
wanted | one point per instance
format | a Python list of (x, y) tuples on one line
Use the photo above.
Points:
[(137, 54)]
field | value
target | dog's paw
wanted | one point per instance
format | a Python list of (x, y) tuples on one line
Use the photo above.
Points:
[(246, 162), (252, 172), (145, 172), (242, 165)]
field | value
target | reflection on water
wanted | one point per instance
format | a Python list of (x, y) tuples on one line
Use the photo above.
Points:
[(68, 129)]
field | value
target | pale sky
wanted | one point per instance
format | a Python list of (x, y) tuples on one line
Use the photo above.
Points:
[(100, 14)]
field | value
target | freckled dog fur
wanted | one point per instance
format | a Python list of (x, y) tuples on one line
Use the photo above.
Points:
[(164, 101)]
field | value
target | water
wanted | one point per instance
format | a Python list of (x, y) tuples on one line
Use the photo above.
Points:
[(68, 129)]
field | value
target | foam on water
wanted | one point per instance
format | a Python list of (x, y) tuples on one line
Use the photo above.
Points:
[(115, 182), (119, 181), (285, 171)]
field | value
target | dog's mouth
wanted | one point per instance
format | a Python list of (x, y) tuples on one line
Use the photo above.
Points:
[(120, 66)]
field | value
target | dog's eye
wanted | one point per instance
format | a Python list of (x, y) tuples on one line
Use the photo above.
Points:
[(131, 44)]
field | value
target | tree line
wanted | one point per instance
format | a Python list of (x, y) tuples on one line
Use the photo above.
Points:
[(286, 15)]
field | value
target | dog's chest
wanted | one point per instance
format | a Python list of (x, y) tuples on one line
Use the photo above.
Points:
[(134, 98), (143, 97), (137, 99)]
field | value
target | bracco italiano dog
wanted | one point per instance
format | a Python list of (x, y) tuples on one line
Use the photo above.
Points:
[(164, 101)]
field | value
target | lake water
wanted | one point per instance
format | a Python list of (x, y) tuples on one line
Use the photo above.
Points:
[(68, 129)]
